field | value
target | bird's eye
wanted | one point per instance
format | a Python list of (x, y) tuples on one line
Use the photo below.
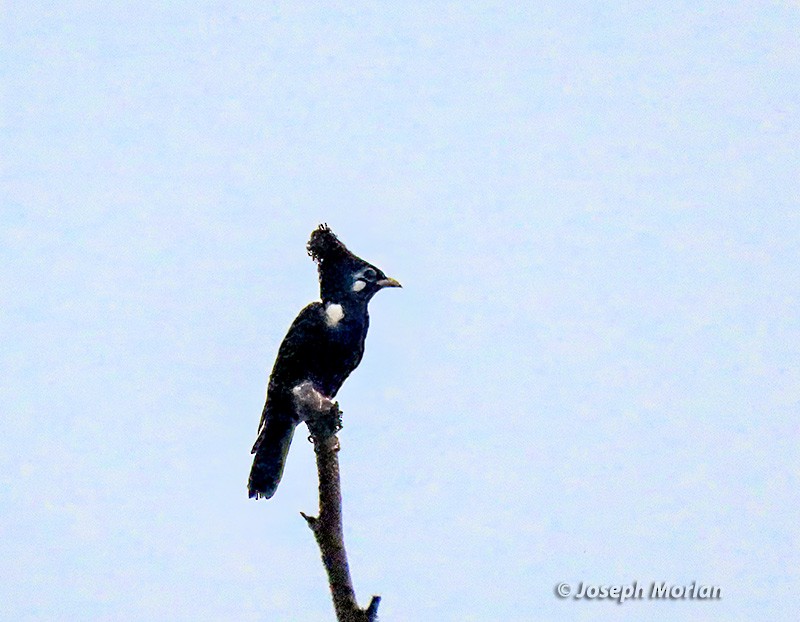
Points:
[(369, 274)]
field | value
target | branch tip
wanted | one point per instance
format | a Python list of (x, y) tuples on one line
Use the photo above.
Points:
[(372, 610)]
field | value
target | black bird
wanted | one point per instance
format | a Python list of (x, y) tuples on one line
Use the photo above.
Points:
[(324, 344)]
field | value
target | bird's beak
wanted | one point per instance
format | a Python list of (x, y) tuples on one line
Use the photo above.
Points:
[(387, 282)]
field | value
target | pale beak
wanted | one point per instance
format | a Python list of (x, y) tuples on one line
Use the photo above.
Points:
[(387, 282)]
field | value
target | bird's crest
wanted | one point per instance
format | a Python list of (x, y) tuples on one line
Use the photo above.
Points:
[(324, 247)]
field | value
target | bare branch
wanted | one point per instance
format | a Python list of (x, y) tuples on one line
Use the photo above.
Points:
[(327, 528)]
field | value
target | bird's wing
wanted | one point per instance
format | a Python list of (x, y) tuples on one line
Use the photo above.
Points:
[(291, 364)]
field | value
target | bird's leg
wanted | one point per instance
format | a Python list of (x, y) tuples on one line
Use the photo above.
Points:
[(321, 414), (307, 397)]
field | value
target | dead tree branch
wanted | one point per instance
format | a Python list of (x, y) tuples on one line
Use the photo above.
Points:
[(327, 527)]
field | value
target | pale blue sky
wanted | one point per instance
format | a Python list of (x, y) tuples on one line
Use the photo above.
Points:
[(591, 373)]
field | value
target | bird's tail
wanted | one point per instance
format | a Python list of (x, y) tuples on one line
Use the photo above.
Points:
[(271, 449)]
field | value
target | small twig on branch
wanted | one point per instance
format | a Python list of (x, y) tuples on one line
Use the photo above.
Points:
[(327, 527)]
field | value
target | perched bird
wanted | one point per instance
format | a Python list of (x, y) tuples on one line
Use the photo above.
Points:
[(324, 344)]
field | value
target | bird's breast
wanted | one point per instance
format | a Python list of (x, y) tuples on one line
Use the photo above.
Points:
[(340, 351)]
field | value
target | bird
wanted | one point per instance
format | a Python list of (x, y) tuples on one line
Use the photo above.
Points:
[(324, 344)]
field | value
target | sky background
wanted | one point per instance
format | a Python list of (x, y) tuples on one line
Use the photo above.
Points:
[(591, 373)]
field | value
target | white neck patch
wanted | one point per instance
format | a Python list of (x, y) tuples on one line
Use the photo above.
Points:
[(333, 314), (358, 285)]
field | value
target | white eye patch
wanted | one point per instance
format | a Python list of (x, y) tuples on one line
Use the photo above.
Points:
[(359, 285)]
